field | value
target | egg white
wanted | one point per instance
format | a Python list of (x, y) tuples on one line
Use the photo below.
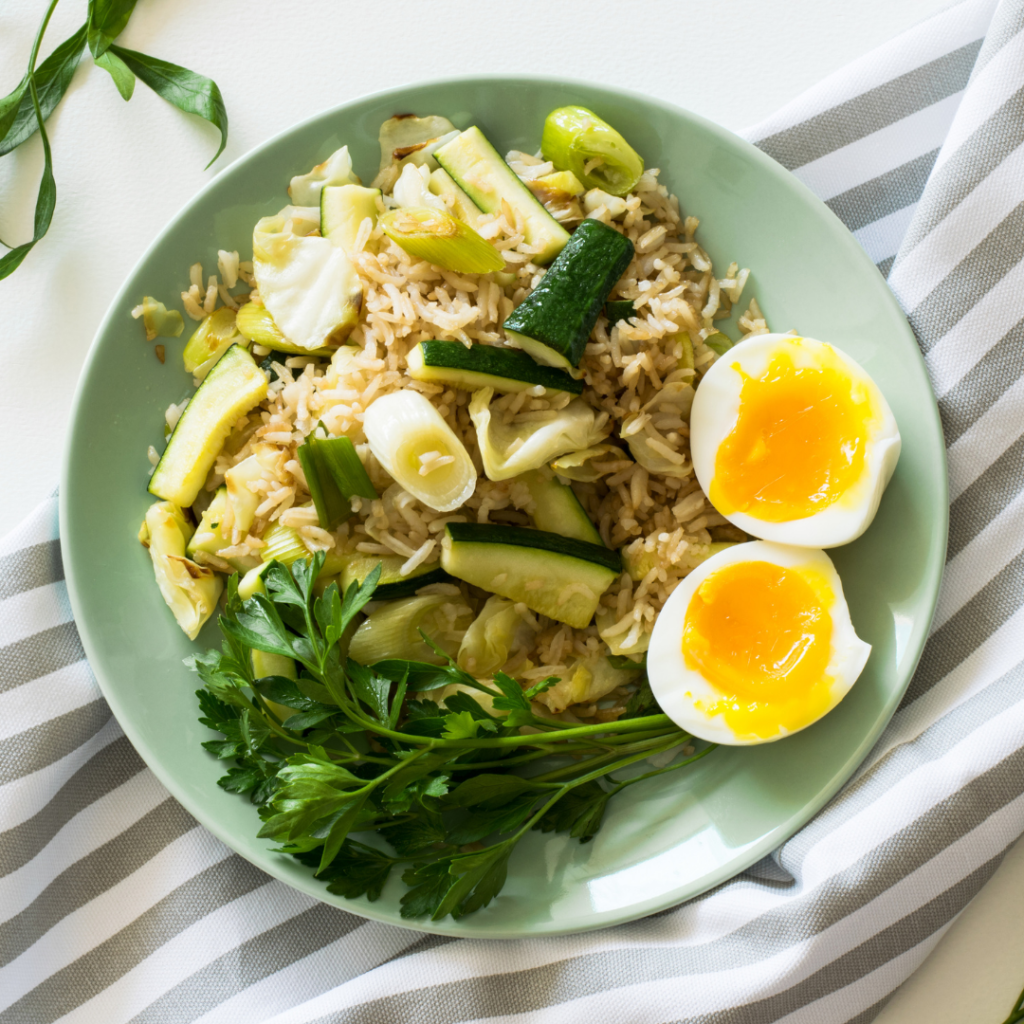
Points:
[(713, 417), (678, 687)]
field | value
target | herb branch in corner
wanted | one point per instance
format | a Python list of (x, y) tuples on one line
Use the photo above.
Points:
[(25, 110)]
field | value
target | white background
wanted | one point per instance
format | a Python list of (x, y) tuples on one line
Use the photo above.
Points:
[(123, 170)]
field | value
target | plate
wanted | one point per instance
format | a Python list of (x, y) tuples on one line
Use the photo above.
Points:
[(678, 835)]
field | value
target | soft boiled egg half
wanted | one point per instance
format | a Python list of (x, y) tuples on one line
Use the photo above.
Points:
[(755, 644), (792, 441)]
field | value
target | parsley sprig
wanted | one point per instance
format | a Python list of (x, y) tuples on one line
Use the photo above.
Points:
[(450, 786), (25, 109)]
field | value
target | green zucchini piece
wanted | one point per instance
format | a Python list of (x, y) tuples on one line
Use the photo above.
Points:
[(556, 509), (556, 576), (442, 184), (481, 173), (393, 584), (233, 387), (255, 323), (210, 536), (504, 369), (554, 321), (343, 208), (618, 309)]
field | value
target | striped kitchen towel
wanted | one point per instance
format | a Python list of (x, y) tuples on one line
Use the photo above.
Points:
[(115, 906)]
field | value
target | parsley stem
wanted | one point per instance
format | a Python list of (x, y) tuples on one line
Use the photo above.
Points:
[(1017, 1013)]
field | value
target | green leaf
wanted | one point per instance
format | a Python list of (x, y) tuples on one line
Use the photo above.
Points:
[(620, 661), (418, 834), (538, 688), (359, 870), (340, 829), (420, 675), (357, 595), (487, 790), (107, 20), (513, 698), (460, 725), (479, 877), (372, 689), (185, 89), (53, 76), (46, 200), (481, 823), (415, 781), (120, 73), (428, 884), (579, 812), (642, 703), (259, 626), (286, 691)]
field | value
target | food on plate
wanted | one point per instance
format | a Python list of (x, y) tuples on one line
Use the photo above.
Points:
[(792, 441), (439, 461), (755, 644)]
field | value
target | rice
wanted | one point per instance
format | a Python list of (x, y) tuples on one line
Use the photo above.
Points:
[(636, 378)]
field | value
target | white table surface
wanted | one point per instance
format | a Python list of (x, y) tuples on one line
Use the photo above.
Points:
[(123, 170)]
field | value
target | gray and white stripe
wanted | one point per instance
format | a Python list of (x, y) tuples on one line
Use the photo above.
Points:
[(116, 906)]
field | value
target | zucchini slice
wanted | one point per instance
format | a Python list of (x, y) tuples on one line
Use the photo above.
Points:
[(556, 576), (233, 387), (618, 309), (554, 321), (441, 184), (482, 174), (392, 584), (556, 509), (485, 366)]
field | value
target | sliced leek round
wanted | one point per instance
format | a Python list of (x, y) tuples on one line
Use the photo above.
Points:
[(419, 450), (436, 236)]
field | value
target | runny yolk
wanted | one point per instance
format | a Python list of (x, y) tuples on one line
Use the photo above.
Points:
[(761, 635), (799, 441)]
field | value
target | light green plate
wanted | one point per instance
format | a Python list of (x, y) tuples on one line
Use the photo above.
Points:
[(677, 835)]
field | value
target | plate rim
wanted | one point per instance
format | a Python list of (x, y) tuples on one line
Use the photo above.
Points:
[(668, 899)]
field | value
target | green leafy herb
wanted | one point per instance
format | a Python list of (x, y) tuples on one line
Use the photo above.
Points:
[(25, 110), (451, 787)]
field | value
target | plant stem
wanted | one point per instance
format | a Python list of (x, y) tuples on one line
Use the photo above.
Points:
[(35, 50)]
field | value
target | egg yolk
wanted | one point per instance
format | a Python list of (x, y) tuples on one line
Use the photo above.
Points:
[(761, 634), (799, 441)]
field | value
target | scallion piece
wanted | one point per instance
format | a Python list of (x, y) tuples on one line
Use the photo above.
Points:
[(576, 139), (439, 238), (339, 457), (331, 505)]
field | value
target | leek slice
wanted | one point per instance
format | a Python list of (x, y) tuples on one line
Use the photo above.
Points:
[(190, 590), (508, 449), (439, 238), (214, 533), (392, 630), (210, 340), (488, 641), (719, 343), (159, 321), (419, 450), (307, 283), (576, 139), (283, 544), (305, 189)]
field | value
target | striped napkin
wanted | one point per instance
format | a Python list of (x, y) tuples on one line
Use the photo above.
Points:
[(116, 906)]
